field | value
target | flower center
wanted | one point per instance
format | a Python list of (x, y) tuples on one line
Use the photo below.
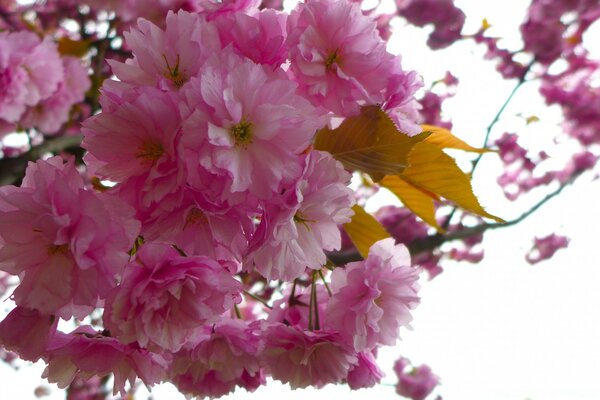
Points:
[(58, 249), (333, 58), (300, 218), (242, 133), (150, 152), (174, 74), (194, 216)]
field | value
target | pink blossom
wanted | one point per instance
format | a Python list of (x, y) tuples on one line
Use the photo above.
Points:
[(259, 37), (544, 29), (337, 55), (67, 245), (30, 71), (49, 115), (447, 19), (545, 247), (199, 228), (414, 383), (27, 332), (372, 299), (366, 373), (164, 298), (222, 8), (223, 356), (167, 58), (306, 358), (246, 125), (92, 389), (398, 98), (137, 143), (85, 353), (293, 235), (131, 10)]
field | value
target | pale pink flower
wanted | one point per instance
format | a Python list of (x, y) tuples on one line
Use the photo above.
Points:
[(306, 358), (85, 354), (49, 115), (259, 37), (337, 56), (67, 245), (27, 332), (294, 234), (224, 355), (30, 71), (416, 383), (137, 143), (164, 298), (372, 299), (246, 124), (366, 373), (167, 58)]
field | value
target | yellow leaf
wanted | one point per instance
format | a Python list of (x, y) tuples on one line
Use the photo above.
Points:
[(417, 200), (485, 24), (364, 230), (369, 142), (444, 139), (70, 47), (433, 170)]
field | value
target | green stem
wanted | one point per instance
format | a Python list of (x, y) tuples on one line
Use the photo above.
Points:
[(263, 302)]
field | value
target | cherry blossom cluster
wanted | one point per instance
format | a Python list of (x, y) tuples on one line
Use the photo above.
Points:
[(446, 18), (38, 86), (415, 383), (201, 194)]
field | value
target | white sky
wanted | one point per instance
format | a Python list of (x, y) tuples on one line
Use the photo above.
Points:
[(501, 329)]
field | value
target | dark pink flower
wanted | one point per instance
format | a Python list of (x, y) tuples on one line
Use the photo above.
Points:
[(222, 357), (85, 354), (416, 383), (68, 245), (366, 373), (164, 299), (27, 332)]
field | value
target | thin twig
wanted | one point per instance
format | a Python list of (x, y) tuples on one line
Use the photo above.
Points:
[(488, 132), (325, 283), (263, 302)]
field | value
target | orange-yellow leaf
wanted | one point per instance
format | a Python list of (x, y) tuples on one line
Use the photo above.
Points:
[(443, 139), (433, 170), (75, 48), (364, 230), (369, 142), (417, 200)]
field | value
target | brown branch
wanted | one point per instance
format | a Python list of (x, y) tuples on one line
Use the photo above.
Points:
[(430, 243), (12, 170)]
